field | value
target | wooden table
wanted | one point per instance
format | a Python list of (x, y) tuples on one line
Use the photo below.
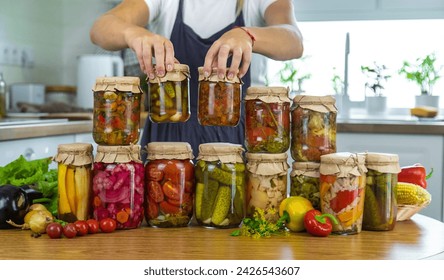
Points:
[(419, 238)]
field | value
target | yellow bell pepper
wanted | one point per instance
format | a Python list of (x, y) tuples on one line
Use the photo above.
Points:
[(293, 209)]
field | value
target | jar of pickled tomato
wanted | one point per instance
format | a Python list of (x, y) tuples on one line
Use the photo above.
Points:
[(168, 96), (267, 124), (313, 127), (266, 184), (169, 177), (304, 178), (118, 185), (117, 105), (219, 100), (74, 176), (343, 179), (220, 185), (380, 207)]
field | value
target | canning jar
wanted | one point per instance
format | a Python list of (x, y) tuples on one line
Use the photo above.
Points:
[(169, 177), (304, 181), (380, 207), (220, 185), (267, 124), (219, 100), (266, 184), (117, 103), (313, 127), (74, 181), (342, 179), (168, 96), (118, 185)]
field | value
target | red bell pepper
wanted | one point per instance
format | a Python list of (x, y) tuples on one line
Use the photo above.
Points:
[(318, 224), (414, 174)]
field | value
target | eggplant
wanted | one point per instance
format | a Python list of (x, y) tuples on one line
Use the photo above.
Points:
[(15, 202)]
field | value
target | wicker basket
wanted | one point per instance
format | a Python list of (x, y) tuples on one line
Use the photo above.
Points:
[(405, 212)]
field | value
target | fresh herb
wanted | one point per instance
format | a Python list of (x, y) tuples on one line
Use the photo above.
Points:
[(259, 226)]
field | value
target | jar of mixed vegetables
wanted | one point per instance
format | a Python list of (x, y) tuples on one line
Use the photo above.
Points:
[(169, 177), (380, 207), (117, 104), (342, 178), (220, 185), (118, 185), (304, 179), (74, 181), (168, 96), (266, 183), (313, 127), (219, 100), (267, 125)]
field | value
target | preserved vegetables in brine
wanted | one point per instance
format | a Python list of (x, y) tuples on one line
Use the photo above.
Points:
[(305, 182)]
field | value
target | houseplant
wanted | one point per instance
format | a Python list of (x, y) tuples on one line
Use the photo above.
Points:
[(291, 76), (425, 74), (377, 75)]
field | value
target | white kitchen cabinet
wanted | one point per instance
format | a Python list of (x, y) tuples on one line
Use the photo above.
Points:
[(411, 148)]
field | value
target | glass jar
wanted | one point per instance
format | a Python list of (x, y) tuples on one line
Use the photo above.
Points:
[(266, 184), (118, 185), (304, 179), (117, 103), (380, 207), (313, 127), (342, 178), (168, 96), (74, 176), (220, 185), (219, 100), (267, 124), (169, 177)]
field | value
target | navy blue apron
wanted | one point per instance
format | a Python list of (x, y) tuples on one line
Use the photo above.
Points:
[(190, 49)]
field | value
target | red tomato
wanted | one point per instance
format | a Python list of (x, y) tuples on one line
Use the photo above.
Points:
[(186, 199), (189, 186), (81, 227), (107, 225), (172, 171), (168, 208), (343, 199), (171, 190), (155, 191), (152, 209), (54, 230), (69, 230), (189, 170), (93, 226), (153, 173)]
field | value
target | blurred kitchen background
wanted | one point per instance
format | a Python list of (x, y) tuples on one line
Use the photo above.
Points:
[(41, 41)]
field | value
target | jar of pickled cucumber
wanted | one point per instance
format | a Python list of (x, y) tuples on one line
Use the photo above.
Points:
[(74, 176), (169, 177), (304, 181), (266, 184), (313, 127), (219, 100), (343, 179), (380, 207), (220, 185), (267, 123), (168, 96), (117, 104), (118, 185)]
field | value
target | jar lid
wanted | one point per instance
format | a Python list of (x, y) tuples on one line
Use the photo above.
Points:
[(382, 162), (213, 77), (343, 164), (309, 169), (118, 154), (224, 152), (267, 164), (268, 94), (322, 104), (77, 154), (179, 73), (169, 150), (114, 84)]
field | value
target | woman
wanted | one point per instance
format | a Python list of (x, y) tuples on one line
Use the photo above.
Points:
[(201, 33)]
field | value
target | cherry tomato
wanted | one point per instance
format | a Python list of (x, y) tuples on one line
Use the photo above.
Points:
[(69, 230), (153, 173), (81, 227), (168, 208), (152, 210), (189, 170), (171, 190), (93, 226), (54, 230), (172, 171), (155, 191), (107, 225)]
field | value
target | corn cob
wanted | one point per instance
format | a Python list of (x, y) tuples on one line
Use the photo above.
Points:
[(411, 194)]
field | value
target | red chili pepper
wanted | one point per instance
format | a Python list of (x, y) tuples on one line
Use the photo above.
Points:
[(318, 224), (414, 174)]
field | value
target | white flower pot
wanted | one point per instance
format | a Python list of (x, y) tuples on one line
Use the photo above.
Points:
[(376, 105), (427, 100)]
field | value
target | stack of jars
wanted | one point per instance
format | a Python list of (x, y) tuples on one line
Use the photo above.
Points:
[(118, 173), (267, 139)]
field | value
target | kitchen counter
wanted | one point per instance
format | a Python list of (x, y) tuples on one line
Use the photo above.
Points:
[(419, 238)]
